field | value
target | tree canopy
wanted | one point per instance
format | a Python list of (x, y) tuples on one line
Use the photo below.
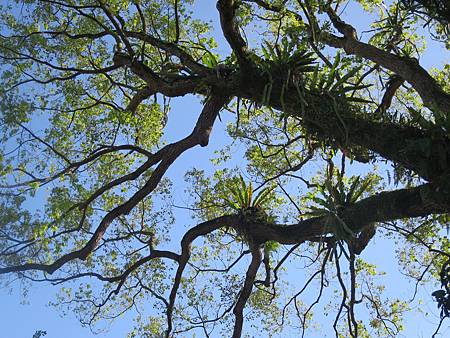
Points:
[(338, 140)]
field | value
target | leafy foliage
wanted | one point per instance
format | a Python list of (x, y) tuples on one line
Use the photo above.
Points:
[(241, 195), (335, 196)]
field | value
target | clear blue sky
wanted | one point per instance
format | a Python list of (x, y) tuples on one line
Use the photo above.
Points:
[(21, 321)]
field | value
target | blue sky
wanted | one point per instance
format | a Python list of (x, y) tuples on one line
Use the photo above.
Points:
[(22, 320)]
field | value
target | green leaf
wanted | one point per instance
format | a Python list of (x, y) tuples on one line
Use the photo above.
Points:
[(249, 194), (353, 186), (231, 203), (333, 71), (209, 59), (262, 196), (314, 78), (265, 52), (323, 203), (367, 182), (244, 193), (344, 78)]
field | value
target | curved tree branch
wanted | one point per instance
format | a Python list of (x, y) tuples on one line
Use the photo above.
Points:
[(433, 96), (230, 28), (166, 156), (246, 291)]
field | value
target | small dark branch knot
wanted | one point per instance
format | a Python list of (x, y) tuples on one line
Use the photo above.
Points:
[(347, 30), (359, 243), (219, 5), (202, 135), (121, 59), (251, 218), (223, 71)]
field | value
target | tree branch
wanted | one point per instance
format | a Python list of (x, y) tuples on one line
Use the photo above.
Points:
[(230, 28), (246, 291), (180, 86), (197, 231), (432, 94), (413, 148), (385, 206), (167, 155)]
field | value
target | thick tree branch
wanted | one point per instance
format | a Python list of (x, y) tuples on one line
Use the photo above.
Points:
[(391, 87), (409, 69), (180, 86), (334, 120), (267, 5), (154, 254), (230, 28), (360, 242), (420, 201), (138, 98)]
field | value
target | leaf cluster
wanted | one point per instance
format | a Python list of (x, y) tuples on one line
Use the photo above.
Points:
[(331, 80), (239, 195), (287, 54), (330, 198), (336, 196)]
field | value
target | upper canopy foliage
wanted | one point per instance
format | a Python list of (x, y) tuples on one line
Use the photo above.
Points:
[(345, 137)]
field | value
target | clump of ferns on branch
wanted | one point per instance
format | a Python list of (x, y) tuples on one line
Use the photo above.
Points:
[(332, 196), (238, 196)]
